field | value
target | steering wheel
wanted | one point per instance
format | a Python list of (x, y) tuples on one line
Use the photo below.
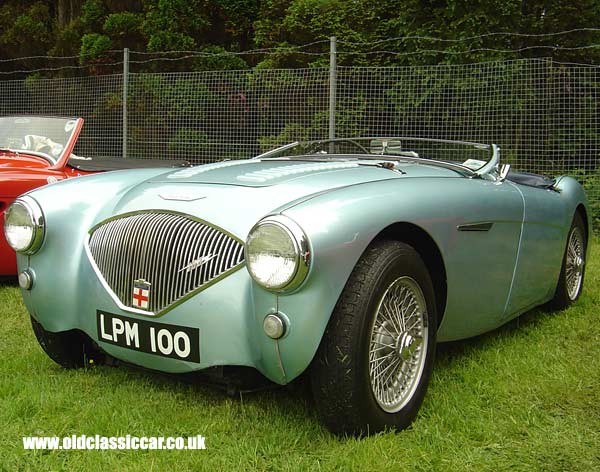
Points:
[(325, 144)]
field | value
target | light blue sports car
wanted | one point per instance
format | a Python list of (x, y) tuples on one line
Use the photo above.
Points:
[(346, 259)]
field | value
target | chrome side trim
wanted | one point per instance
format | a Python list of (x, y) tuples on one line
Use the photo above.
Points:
[(483, 226)]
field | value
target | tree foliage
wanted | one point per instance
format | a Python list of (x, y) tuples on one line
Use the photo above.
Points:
[(89, 28)]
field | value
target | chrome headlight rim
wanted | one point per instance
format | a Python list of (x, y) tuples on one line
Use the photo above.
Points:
[(303, 255), (38, 224)]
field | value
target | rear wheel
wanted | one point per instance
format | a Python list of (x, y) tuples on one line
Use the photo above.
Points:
[(69, 349), (570, 282), (375, 359)]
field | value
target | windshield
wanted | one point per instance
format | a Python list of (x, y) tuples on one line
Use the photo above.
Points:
[(471, 156), (41, 136)]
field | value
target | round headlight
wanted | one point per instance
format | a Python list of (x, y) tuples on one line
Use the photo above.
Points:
[(277, 253), (24, 225)]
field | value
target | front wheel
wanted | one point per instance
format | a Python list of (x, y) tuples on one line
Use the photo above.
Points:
[(375, 359)]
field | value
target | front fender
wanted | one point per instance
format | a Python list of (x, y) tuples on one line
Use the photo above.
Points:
[(342, 224)]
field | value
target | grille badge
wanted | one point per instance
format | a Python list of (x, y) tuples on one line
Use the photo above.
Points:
[(198, 263), (141, 293)]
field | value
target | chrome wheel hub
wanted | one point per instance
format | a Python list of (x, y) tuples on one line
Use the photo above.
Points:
[(407, 346), (398, 344), (575, 263)]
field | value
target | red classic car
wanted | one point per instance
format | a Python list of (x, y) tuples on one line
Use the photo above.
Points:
[(38, 150)]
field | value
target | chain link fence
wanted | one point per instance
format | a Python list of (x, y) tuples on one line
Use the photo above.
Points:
[(207, 116), (97, 99), (545, 115)]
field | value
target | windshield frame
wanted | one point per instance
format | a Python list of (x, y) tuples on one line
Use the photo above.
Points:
[(54, 163), (488, 168)]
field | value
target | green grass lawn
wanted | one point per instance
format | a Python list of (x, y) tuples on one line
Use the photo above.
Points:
[(525, 397)]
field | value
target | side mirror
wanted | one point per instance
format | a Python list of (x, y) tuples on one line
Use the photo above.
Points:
[(503, 172)]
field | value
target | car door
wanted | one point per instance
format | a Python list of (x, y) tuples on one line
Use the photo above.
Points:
[(480, 255)]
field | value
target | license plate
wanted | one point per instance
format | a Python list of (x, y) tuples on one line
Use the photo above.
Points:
[(166, 340)]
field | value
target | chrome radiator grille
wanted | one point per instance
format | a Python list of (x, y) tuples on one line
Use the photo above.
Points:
[(172, 254)]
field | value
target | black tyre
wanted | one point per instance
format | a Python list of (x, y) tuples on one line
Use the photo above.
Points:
[(572, 272), (374, 362), (69, 349)]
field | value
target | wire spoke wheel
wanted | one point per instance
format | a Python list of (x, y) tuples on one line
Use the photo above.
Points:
[(398, 344), (574, 263), (375, 360)]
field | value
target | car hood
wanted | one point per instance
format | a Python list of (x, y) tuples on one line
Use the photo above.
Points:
[(262, 173), (22, 161), (235, 195), (18, 176)]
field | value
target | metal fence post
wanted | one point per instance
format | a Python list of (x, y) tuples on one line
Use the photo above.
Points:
[(332, 85), (125, 91)]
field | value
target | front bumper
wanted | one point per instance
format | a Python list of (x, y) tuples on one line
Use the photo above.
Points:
[(228, 315)]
